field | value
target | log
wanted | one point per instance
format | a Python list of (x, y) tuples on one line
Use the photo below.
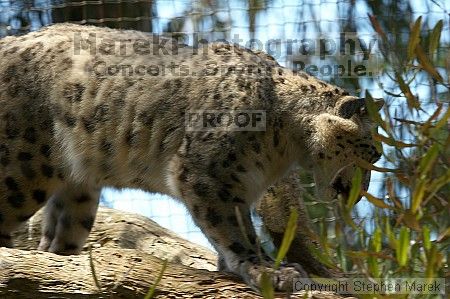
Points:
[(122, 259)]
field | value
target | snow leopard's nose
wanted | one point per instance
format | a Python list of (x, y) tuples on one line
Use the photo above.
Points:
[(341, 187)]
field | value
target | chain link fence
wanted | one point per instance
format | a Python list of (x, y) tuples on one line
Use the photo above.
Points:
[(299, 34)]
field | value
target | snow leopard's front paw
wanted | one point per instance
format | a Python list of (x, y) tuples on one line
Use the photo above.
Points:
[(283, 278)]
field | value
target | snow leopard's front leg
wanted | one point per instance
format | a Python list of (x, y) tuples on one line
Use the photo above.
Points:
[(215, 189)]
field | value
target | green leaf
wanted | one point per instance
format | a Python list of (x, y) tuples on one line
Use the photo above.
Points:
[(373, 108), (435, 36), (418, 194), (444, 235), (391, 238), (356, 188), (439, 183), (266, 286), (430, 122), (288, 237), (372, 264), (426, 238), (347, 217), (341, 256), (376, 240), (152, 290), (432, 257), (443, 121), (375, 246), (391, 141), (410, 98), (378, 202), (426, 64), (93, 271), (402, 249), (323, 257), (426, 163), (414, 38)]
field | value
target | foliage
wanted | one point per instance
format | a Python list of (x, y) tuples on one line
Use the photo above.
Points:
[(408, 236)]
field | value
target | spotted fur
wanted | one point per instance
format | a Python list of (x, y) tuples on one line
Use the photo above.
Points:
[(66, 131)]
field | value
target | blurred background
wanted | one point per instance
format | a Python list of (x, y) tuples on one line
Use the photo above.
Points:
[(399, 73)]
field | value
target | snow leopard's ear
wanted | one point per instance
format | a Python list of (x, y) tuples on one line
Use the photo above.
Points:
[(348, 106), (379, 103)]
